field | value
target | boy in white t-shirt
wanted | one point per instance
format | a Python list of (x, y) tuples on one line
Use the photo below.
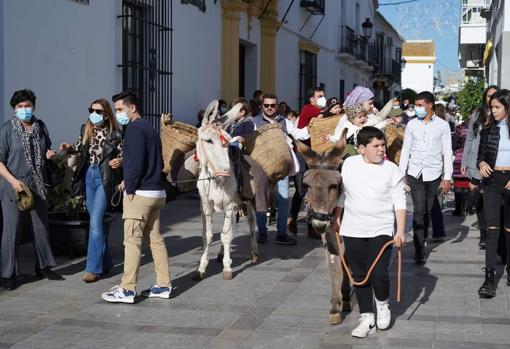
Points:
[(373, 195)]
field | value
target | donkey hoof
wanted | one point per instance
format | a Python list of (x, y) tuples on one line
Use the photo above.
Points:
[(254, 258), (227, 275), (335, 319), (219, 258), (198, 276)]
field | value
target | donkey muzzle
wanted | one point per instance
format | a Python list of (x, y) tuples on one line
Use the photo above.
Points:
[(323, 217)]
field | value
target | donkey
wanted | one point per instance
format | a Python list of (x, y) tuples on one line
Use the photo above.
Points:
[(322, 183), (217, 186)]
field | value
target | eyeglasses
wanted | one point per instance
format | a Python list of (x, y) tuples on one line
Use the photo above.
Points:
[(98, 111), (267, 106)]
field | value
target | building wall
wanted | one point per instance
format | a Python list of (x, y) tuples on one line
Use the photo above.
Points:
[(418, 76), (66, 55), (196, 59)]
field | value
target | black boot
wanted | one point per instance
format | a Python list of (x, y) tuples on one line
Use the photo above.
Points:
[(488, 289), (9, 284), (48, 274)]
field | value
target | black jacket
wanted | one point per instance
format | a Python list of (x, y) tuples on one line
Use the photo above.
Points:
[(111, 177), (489, 144)]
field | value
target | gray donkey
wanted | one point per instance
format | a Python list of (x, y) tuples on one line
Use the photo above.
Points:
[(322, 183), (217, 186)]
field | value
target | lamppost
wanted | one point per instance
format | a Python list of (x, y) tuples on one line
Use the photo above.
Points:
[(367, 28)]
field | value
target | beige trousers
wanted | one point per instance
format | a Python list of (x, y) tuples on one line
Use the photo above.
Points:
[(141, 221)]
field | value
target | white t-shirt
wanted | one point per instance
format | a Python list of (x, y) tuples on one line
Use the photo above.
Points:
[(371, 194)]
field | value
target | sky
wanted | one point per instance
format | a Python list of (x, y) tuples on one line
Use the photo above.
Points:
[(438, 20)]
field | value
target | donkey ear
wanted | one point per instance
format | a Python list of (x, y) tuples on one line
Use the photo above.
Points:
[(228, 118), (310, 156), (334, 156), (210, 113)]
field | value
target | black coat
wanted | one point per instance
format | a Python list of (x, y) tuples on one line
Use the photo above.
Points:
[(489, 145), (111, 177)]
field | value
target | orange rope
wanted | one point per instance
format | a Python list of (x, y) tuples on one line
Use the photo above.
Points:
[(365, 280)]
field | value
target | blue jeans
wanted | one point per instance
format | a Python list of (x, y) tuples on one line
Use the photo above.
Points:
[(99, 258), (283, 209)]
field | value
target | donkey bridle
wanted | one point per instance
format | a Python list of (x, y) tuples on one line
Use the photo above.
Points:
[(323, 217)]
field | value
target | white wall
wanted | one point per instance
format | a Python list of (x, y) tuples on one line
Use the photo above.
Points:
[(418, 76), (196, 59), (473, 34), (67, 53)]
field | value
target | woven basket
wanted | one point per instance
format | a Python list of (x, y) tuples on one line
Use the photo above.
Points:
[(320, 127), (268, 147), (394, 142), (177, 139)]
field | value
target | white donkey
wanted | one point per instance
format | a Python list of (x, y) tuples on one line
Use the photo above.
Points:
[(217, 186)]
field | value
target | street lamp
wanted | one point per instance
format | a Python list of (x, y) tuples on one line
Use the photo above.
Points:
[(402, 64), (367, 27)]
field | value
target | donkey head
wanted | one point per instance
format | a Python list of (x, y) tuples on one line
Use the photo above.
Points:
[(212, 144), (322, 182)]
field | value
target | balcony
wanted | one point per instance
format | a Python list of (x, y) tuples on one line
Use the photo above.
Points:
[(347, 41), (389, 68), (315, 7)]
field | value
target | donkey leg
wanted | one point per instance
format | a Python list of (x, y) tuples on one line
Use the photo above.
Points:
[(335, 274), (254, 246), (206, 240), (226, 240)]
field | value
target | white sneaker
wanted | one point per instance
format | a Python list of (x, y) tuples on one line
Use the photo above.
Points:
[(366, 326), (383, 314), (157, 292), (119, 295)]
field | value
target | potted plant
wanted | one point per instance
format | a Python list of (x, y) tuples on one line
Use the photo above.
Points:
[(69, 219)]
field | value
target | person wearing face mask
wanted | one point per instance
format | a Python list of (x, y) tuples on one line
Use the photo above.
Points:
[(494, 164), (316, 104), (144, 197), (222, 107), (97, 173), (25, 145), (426, 159)]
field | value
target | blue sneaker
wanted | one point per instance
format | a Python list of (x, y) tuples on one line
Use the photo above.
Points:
[(119, 295), (157, 292)]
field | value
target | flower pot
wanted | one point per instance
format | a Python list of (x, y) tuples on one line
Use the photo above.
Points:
[(69, 233)]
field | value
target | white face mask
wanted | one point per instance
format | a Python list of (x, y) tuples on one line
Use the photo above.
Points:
[(321, 102)]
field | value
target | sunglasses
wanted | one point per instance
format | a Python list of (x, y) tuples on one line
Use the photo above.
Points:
[(269, 105), (98, 111)]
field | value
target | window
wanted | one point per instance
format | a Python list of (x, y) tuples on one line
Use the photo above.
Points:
[(307, 75), (146, 59)]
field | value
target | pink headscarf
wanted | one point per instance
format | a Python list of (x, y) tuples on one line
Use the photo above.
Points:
[(360, 94)]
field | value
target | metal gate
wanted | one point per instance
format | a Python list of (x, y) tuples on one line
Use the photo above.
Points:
[(147, 55)]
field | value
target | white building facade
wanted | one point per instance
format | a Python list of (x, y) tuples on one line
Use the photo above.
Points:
[(179, 55), (496, 57), (472, 37), (419, 57)]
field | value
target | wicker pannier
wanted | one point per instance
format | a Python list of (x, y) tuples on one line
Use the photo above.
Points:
[(320, 127), (268, 147), (394, 142), (177, 139)]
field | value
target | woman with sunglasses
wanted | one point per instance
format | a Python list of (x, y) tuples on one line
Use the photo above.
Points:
[(97, 174)]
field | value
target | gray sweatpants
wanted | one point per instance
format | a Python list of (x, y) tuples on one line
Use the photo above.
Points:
[(37, 220)]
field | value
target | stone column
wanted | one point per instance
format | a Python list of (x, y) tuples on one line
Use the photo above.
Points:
[(268, 25)]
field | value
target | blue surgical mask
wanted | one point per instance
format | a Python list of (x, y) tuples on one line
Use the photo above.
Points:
[(24, 114), (95, 118), (420, 112), (122, 118), (223, 110)]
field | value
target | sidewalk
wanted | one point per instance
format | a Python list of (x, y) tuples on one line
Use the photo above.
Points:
[(282, 302)]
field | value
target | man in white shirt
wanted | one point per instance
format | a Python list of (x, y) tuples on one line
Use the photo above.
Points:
[(426, 158)]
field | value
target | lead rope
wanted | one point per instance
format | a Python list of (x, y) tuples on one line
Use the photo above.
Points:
[(365, 280)]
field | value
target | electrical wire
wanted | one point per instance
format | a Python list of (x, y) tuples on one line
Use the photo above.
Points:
[(398, 3)]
